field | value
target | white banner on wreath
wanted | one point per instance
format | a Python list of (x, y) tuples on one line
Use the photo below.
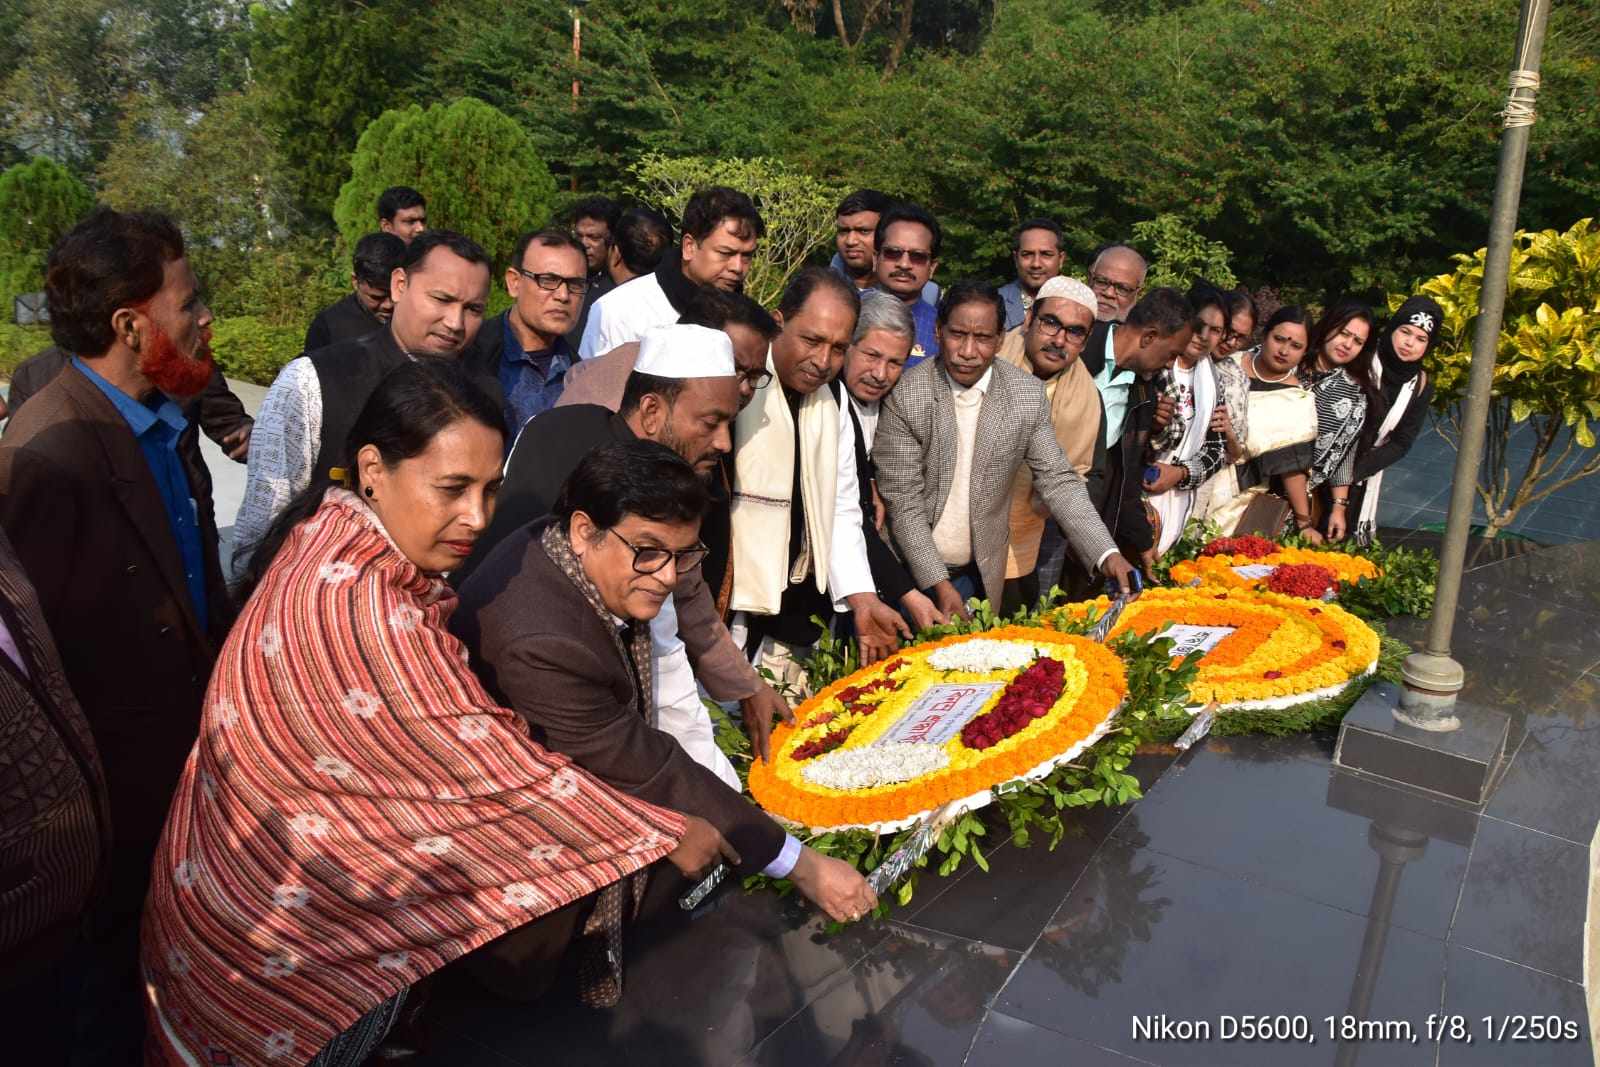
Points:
[(1254, 570), (940, 713), (1187, 640)]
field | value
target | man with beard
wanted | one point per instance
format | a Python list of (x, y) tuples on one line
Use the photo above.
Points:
[(118, 535), (721, 229), (906, 246), (527, 346), (798, 547), (1036, 251), (682, 393), (1049, 344), (440, 290), (369, 306)]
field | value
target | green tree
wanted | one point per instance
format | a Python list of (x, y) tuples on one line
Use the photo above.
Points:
[(1547, 374), (478, 169), (1179, 256), (797, 209), (39, 201), (328, 68)]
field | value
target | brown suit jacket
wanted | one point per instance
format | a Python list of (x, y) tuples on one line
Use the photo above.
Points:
[(543, 651), (82, 509), (55, 827), (601, 380)]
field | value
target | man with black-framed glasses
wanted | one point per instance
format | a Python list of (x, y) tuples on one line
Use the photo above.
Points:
[(1117, 278), (527, 346), (906, 245)]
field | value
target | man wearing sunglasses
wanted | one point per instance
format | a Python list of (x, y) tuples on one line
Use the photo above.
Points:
[(527, 345), (906, 244)]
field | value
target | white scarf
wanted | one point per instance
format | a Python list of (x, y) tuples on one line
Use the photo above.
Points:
[(1175, 504), (1367, 521), (763, 479)]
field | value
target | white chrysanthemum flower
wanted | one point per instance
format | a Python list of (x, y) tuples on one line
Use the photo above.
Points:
[(291, 896), (278, 1045), (271, 640), (522, 895), (563, 784), (473, 727), (279, 966), (337, 571), (310, 824), (433, 846), (545, 852), (332, 766), (177, 961), (185, 874), (394, 961), (863, 768), (361, 704), (981, 656)]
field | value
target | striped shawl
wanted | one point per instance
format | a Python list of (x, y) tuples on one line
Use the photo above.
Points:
[(357, 811)]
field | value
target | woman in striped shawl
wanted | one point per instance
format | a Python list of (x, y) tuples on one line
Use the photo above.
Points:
[(357, 811)]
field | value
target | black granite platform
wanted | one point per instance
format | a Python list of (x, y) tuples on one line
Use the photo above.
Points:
[(1253, 879)]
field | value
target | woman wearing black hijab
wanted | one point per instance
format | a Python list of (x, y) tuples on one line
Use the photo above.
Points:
[(1406, 388)]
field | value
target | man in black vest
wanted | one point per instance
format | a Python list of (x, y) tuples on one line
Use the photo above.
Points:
[(369, 305), (439, 295)]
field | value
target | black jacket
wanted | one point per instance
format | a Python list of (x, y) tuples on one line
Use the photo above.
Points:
[(1381, 457), (343, 320), (1122, 506)]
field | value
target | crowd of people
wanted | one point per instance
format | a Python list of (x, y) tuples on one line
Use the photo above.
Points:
[(444, 718)]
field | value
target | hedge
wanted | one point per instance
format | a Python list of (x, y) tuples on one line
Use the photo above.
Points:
[(245, 348)]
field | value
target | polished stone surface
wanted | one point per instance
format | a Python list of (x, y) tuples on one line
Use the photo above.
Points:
[(1253, 877)]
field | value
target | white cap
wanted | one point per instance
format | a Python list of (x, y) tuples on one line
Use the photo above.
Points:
[(1064, 288), (680, 351)]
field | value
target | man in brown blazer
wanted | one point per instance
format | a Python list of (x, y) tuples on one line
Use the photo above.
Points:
[(118, 535), (55, 827), (556, 619)]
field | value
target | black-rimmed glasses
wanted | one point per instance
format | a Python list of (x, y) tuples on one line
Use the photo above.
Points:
[(648, 559), (756, 378), (917, 256), (1101, 282), (1053, 326), (551, 282)]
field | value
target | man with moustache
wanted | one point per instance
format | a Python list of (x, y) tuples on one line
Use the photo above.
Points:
[(1036, 251), (1117, 277), (527, 346), (369, 305), (594, 223), (798, 547), (1050, 344), (403, 212), (683, 393), (440, 290), (854, 225), (721, 229), (952, 437), (118, 535), (906, 249)]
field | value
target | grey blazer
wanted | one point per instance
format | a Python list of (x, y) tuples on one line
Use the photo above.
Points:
[(915, 453)]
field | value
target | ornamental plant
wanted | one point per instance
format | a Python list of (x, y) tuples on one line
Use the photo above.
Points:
[(1547, 374), (797, 208)]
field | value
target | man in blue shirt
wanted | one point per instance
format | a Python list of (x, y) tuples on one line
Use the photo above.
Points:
[(527, 346), (906, 249), (117, 532), (1036, 251)]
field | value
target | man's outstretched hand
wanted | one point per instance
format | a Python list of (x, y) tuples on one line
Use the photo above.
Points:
[(759, 709), (879, 628)]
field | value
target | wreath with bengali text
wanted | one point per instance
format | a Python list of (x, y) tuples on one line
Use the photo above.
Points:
[(1251, 562)]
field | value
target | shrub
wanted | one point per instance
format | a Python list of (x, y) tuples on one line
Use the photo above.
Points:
[(1179, 256), (478, 169), (39, 201), (17, 343), (249, 348)]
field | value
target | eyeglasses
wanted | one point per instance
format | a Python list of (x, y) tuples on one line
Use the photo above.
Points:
[(551, 282), (648, 559), (756, 378), (1100, 281), (917, 256), (1052, 326), (1234, 337)]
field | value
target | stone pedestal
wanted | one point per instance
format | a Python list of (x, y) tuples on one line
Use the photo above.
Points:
[(1459, 763)]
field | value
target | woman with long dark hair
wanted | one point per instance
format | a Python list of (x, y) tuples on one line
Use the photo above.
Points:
[(1406, 389), (1339, 375), (358, 811)]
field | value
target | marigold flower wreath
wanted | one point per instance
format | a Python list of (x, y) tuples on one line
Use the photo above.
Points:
[(1259, 649), (944, 721), (1256, 563)]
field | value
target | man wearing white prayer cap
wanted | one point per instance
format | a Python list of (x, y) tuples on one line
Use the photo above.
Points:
[(683, 393), (1048, 343)]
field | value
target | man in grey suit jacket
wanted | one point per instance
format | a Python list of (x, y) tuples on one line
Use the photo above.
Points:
[(950, 441)]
